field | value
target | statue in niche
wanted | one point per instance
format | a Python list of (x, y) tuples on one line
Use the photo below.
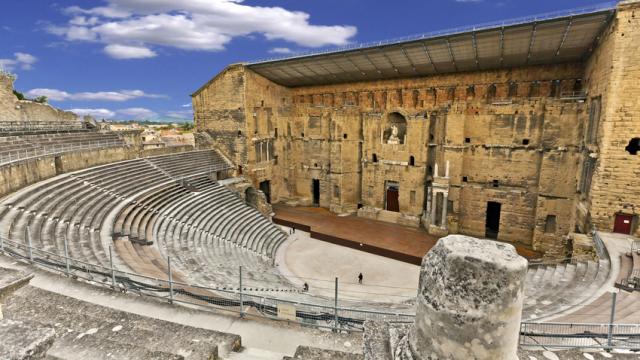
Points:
[(393, 138)]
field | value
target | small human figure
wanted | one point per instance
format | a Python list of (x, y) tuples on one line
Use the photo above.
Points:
[(305, 287), (360, 278), (294, 230)]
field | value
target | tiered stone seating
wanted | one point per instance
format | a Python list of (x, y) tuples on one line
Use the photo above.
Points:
[(552, 289), (627, 301), (76, 205), (32, 144), (208, 232), (213, 232)]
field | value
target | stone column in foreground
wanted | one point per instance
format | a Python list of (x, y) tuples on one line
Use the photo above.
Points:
[(469, 302)]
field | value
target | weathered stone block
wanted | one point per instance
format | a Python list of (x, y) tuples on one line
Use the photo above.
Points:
[(470, 299)]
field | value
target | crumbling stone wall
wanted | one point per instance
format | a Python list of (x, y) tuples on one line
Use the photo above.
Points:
[(219, 105), (23, 110)]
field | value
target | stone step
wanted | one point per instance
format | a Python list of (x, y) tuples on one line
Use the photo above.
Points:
[(254, 354), (68, 314), (81, 346), (24, 339)]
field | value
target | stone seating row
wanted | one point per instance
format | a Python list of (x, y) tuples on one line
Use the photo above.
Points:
[(208, 234), (76, 205), (553, 289), (627, 301)]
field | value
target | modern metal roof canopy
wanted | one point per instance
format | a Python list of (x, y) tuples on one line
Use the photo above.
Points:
[(544, 39)]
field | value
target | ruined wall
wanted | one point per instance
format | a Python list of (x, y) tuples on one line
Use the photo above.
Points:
[(267, 110), (23, 110), (612, 74), (220, 105)]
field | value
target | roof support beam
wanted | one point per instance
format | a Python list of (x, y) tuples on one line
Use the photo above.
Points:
[(564, 35), (533, 40), (426, 51), (300, 77), (327, 71), (501, 46), (371, 62), (315, 72), (354, 64), (475, 49), (389, 60), (404, 52), (453, 59), (605, 22)]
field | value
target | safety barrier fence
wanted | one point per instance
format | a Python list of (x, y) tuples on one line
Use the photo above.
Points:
[(563, 335), (235, 298), (25, 126), (10, 156), (632, 281)]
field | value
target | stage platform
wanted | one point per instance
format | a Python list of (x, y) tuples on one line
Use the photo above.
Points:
[(377, 237)]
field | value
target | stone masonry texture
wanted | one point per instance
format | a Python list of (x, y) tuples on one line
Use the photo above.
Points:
[(555, 163)]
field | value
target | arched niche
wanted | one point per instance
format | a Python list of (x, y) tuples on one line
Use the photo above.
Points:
[(395, 129)]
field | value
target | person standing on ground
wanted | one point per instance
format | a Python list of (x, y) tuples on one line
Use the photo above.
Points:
[(360, 278)]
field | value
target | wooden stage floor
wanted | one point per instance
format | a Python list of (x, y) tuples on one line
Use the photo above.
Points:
[(377, 237)]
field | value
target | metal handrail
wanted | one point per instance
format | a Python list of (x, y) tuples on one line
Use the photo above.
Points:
[(35, 152), (561, 335), (40, 125)]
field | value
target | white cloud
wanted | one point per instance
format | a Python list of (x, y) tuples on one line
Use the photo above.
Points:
[(281, 50), (137, 113), (186, 105), (180, 114), (117, 51), (124, 114), (20, 60), (122, 95), (96, 113), (131, 28)]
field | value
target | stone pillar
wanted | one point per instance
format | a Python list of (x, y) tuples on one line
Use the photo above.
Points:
[(268, 151), (469, 301), (445, 197), (434, 198)]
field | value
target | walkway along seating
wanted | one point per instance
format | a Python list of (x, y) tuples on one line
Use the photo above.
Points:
[(18, 147)]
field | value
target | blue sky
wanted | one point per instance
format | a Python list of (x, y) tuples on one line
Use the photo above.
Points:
[(140, 59)]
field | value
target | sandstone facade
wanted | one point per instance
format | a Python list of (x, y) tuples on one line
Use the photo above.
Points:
[(526, 155)]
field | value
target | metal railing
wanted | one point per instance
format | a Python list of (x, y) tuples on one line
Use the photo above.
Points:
[(38, 151), (608, 6), (562, 335), (635, 246), (233, 298), (601, 249), (40, 125), (236, 298)]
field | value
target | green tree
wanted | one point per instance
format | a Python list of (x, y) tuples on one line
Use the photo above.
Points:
[(187, 126), (41, 99), (18, 94)]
